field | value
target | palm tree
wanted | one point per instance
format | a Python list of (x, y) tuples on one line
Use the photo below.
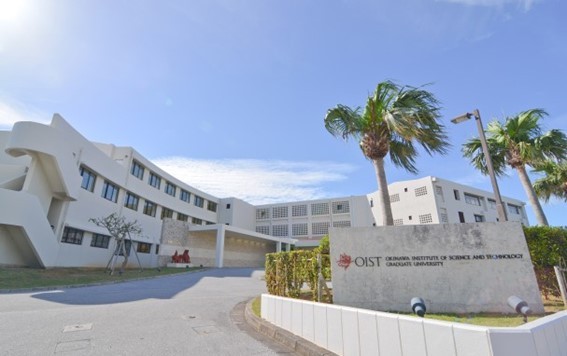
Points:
[(394, 120), (518, 143), (555, 181)]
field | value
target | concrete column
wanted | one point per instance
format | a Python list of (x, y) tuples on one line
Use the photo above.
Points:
[(278, 246), (219, 254), (288, 247)]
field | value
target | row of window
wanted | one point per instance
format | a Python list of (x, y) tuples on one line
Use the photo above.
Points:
[(110, 192), (154, 180), (282, 212), (300, 229), (75, 237)]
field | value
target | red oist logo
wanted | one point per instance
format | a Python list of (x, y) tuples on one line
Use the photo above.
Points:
[(344, 261)]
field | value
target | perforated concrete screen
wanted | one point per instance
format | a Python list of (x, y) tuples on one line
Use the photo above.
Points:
[(457, 268)]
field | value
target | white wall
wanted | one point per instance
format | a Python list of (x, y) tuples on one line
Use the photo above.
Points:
[(352, 331)]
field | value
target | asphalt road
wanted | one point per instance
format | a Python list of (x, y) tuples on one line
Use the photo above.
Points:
[(187, 314)]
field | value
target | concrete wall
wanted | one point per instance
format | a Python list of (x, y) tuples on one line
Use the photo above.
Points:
[(352, 331), (459, 268)]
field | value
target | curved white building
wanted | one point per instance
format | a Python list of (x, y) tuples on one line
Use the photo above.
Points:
[(53, 180)]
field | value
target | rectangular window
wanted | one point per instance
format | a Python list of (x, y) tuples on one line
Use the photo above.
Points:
[(492, 203), (420, 191), (228, 206), (280, 230), (320, 209), (197, 221), (72, 236), (341, 207), (299, 229), (182, 217), (170, 189), (150, 208), (154, 180), (478, 218), (472, 199), (185, 195), (279, 212), (212, 206), (395, 198), (456, 193), (137, 170), (263, 213), (100, 241), (166, 213), (398, 222), (264, 230), (110, 191), (157, 249), (320, 228), (514, 209), (425, 219), (199, 201), (345, 223), (143, 247), (299, 210), (131, 201), (461, 217), (89, 179)]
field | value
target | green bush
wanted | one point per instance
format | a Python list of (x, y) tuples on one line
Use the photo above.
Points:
[(548, 248)]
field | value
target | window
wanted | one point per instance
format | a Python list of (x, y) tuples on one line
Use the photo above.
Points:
[(320, 209), (341, 207), (472, 199), (89, 179), (154, 180), (110, 191), (263, 213), (185, 195), (182, 217), (150, 208), (131, 201), (197, 221), (299, 210), (425, 219), (100, 241), (143, 247), (127, 246), (345, 223), (398, 222), (263, 230), (371, 203), (137, 170), (443, 215), (212, 206), (280, 230), (439, 192), (279, 212), (72, 236), (166, 213), (394, 198), (157, 249), (478, 218), (420, 191), (514, 209), (227, 206), (199, 201), (456, 193), (170, 189), (492, 203), (299, 229), (461, 217), (320, 228)]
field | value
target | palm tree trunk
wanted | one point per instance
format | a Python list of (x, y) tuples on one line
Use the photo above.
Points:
[(532, 197), (387, 218)]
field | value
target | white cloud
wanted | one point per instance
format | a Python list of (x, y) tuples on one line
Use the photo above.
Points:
[(525, 4), (257, 181), (11, 112)]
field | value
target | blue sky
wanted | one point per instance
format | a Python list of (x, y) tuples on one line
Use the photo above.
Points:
[(230, 95)]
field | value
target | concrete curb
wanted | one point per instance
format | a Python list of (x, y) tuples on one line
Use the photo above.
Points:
[(296, 343)]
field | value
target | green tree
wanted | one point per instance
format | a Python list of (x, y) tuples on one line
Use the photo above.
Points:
[(555, 181), (519, 142), (395, 119)]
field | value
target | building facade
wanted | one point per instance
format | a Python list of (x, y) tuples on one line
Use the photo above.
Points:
[(53, 181)]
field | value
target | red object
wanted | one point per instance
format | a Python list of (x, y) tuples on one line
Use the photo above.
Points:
[(185, 257)]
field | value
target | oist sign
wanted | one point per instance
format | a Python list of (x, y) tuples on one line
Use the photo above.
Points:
[(459, 268)]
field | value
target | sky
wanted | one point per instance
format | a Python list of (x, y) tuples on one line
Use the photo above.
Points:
[(230, 95)]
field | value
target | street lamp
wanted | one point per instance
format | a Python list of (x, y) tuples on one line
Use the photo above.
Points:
[(499, 205)]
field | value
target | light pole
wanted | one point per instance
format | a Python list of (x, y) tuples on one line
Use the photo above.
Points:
[(499, 204)]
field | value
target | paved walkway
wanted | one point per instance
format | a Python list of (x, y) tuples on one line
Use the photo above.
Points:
[(186, 314)]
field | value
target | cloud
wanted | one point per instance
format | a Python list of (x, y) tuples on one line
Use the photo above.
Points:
[(11, 112), (257, 181), (525, 4)]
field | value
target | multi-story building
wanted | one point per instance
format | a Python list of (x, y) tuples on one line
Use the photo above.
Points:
[(53, 181)]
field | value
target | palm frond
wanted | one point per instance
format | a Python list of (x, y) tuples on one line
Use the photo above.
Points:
[(343, 121)]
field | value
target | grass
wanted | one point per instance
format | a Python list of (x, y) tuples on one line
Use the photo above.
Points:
[(551, 305), (24, 278)]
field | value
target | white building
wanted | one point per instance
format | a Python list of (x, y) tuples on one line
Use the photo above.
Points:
[(53, 180)]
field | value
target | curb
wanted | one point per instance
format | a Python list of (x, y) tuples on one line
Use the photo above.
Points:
[(294, 342)]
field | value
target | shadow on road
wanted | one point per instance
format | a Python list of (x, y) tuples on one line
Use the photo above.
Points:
[(164, 287)]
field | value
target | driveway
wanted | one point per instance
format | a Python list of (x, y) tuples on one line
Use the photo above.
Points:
[(185, 314)]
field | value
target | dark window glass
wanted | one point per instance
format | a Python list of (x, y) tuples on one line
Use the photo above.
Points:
[(182, 217), (170, 189), (166, 213), (99, 240), (199, 201), (185, 196), (110, 191), (150, 208), (144, 247), (155, 180), (131, 201), (137, 170), (212, 206), (72, 236), (89, 179)]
